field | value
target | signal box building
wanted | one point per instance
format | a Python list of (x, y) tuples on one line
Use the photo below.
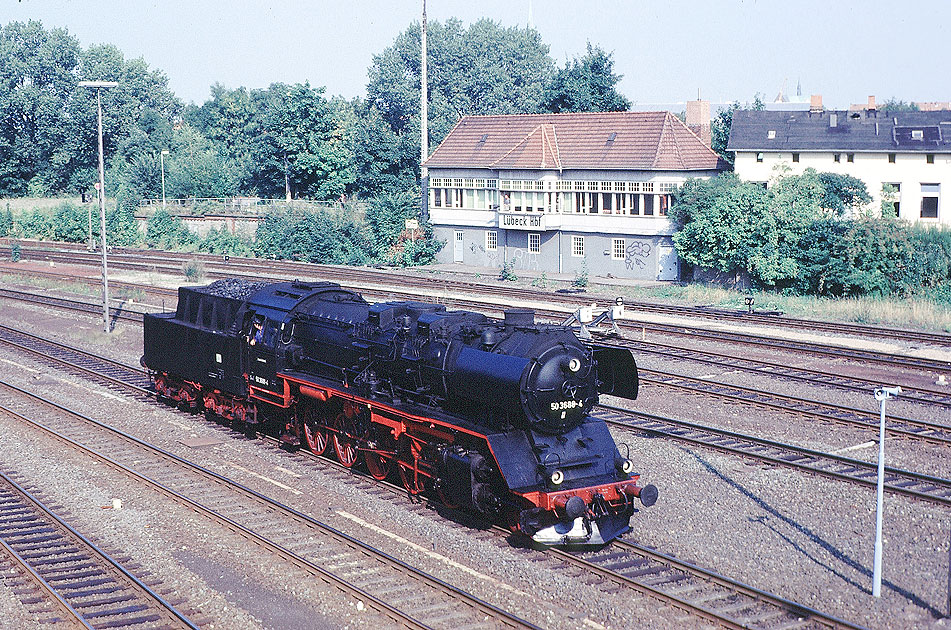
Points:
[(904, 158), (565, 192)]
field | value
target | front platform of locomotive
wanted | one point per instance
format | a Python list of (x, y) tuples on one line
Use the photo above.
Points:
[(577, 487)]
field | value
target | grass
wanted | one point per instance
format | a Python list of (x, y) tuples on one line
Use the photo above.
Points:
[(904, 313)]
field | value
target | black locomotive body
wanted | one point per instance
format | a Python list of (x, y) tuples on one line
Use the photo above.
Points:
[(490, 415)]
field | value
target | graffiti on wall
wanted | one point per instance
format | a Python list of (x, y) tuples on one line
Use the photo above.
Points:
[(524, 260), (492, 258), (637, 254)]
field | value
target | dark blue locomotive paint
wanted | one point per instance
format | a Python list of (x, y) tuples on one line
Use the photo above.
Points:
[(492, 415)]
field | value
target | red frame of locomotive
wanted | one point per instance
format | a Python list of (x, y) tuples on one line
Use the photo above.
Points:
[(393, 425)]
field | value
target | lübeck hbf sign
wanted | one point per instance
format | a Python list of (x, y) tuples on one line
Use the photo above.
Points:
[(522, 221)]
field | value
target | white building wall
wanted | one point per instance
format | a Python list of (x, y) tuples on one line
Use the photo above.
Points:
[(910, 171)]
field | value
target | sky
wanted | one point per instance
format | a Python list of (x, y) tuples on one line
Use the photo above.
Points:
[(668, 51)]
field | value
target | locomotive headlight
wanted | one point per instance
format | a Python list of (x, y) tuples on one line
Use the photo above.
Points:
[(574, 365), (557, 477), (626, 466)]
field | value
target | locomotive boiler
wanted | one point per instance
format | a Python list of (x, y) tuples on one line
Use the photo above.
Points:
[(489, 415)]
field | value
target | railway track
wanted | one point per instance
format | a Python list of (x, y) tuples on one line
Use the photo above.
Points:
[(898, 426), (76, 252), (701, 592), (84, 584), (402, 594), (919, 394), (897, 481), (651, 572), (358, 279), (907, 483)]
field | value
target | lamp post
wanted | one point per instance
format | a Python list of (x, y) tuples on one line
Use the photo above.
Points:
[(98, 85), (881, 395), (162, 160)]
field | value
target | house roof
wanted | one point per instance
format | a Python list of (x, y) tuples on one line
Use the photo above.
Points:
[(924, 132), (598, 140)]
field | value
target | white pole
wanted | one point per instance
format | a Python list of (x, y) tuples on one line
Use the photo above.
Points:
[(102, 216), (162, 159), (423, 121), (98, 85), (881, 395)]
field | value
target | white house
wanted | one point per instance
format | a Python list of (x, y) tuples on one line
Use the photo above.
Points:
[(566, 192), (903, 155)]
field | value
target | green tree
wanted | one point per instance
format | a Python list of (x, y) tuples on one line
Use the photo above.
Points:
[(300, 144), (120, 221), (895, 105), (485, 69), (717, 221), (312, 236), (164, 231), (37, 78), (6, 222), (587, 84), (390, 242), (722, 123), (843, 193), (221, 241)]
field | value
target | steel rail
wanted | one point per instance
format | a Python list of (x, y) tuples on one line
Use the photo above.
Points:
[(628, 581), (685, 604), (730, 619), (800, 453), (912, 428), (129, 580), (914, 393), (680, 330), (897, 481), (705, 312), (382, 607)]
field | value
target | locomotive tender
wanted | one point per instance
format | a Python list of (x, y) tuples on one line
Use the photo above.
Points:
[(489, 415)]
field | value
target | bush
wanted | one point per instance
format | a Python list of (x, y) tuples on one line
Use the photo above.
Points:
[(507, 273), (194, 270), (581, 277), (164, 231), (15, 252)]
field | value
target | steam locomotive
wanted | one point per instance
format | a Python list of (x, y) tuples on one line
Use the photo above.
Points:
[(487, 415)]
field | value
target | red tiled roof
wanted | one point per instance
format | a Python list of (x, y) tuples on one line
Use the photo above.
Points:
[(641, 141)]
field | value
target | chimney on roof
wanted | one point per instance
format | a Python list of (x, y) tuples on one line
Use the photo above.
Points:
[(871, 103), (815, 104), (833, 120), (698, 119)]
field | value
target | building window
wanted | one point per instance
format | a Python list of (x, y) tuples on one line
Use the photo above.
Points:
[(929, 200), (891, 158), (795, 157), (849, 157), (837, 157), (618, 249), (929, 158), (437, 197), (759, 157), (648, 205), (534, 243), (491, 241), (577, 246)]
